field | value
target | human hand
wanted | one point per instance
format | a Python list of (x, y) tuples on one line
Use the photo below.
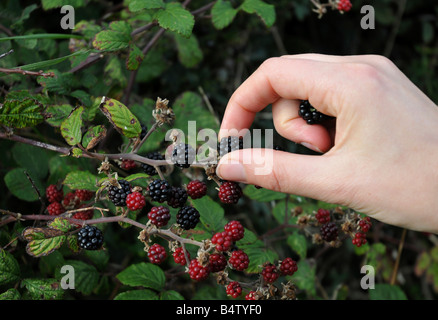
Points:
[(382, 158)]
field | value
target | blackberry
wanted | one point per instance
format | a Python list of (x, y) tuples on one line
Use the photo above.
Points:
[(147, 168), (288, 266), (187, 217), (310, 114), (179, 256), (54, 194), (196, 189), (159, 190), (235, 230), (178, 197), (144, 131), (55, 209), (239, 260), (270, 273), (230, 192), (222, 240), (183, 155), (197, 271), (228, 144), (118, 195), (234, 289), (329, 231), (84, 195), (157, 254), (90, 238), (135, 201), (159, 216), (217, 262)]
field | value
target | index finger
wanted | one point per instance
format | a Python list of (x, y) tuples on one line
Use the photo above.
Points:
[(284, 77)]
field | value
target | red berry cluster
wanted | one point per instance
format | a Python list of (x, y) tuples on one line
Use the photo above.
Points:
[(128, 164), (179, 257), (196, 189), (323, 216), (157, 254), (230, 192), (364, 226), (135, 201), (233, 231), (344, 5), (234, 289), (271, 272)]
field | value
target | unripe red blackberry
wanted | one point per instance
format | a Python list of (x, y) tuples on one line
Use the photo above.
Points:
[(179, 257), (55, 209), (359, 239), (230, 192), (329, 231), (270, 273), (365, 224), (128, 164), (156, 253), (71, 201), (239, 260), (222, 241), (198, 272), (196, 189), (159, 216), (251, 295), (235, 230), (323, 216), (135, 201), (217, 262), (53, 194), (234, 289), (288, 267), (83, 215), (344, 5), (84, 195)]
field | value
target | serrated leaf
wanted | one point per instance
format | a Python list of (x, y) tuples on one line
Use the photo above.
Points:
[(384, 291), (51, 4), (93, 136), (143, 274), (265, 11), (135, 58), (9, 268), (121, 117), (305, 277), (189, 52), (21, 113), (212, 214), (81, 180), (171, 295), (298, 243), (137, 5), (117, 38), (60, 224), (43, 289), (222, 14), (144, 294), (175, 18), (61, 83), (257, 257), (20, 186), (71, 128), (10, 294), (262, 194), (86, 276), (42, 241)]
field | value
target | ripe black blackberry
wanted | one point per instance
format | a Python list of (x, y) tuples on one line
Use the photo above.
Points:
[(90, 238), (178, 197), (183, 155), (144, 131), (228, 144), (329, 231), (148, 169), (187, 217), (310, 114), (159, 190), (118, 195)]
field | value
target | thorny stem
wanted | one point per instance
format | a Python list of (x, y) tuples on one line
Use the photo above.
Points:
[(27, 73)]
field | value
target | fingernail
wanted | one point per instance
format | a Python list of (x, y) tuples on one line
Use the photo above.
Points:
[(231, 171), (311, 147)]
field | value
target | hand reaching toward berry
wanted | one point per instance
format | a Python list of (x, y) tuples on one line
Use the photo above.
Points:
[(378, 157)]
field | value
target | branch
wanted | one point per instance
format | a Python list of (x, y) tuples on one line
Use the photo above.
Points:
[(27, 73)]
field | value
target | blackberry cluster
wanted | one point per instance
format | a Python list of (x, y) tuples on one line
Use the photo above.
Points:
[(178, 197), (187, 217), (90, 238), (118, 195), (183, 155), (228, 144), (310, 114), (329, 231), (159, 190), (148, 169)]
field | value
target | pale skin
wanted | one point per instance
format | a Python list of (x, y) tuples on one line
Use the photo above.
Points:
[(381, 158)]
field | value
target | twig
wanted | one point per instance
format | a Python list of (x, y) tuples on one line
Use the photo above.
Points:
[(397, 261), (6, 53), (395, 28), (152, 129), (27, 73), (43, 205), (209, 106)]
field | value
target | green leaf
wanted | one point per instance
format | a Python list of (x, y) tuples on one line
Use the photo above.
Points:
[(42, 241), (81, 180), (71, 128), (60, 224), (257, 257), (10, 294), (57, 114), (305, 277), (52, 4), (384, 291), (121, 117), (143, 274), (175, 18), (189, 52), (43, 289), (144, 294), (135, 58), (262, 194), (21, 113), (298, 243), (61, 83), (265, 11), (137, 5), (117, 38), (9, 268), (93, 136), (422, 264), (34, 159), (42, 36), (171, 295), (222, 14), (212, 214), (20, 186), (41, 65), (85, 275)]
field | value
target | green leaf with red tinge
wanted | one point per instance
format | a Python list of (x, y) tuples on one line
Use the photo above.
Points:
[(118, 37), (135, 58), (71, 128), (123, 120)]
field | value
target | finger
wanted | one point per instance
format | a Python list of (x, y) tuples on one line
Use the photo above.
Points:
[(318, 177), (296, 79), (291, 126)]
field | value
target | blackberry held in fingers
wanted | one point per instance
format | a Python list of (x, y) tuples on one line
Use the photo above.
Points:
[(310, 114), (228, 144)]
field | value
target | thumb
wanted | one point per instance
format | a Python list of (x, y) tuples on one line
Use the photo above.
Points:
[(321, 177)]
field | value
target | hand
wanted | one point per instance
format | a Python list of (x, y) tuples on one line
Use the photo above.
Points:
[(381, 159)]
